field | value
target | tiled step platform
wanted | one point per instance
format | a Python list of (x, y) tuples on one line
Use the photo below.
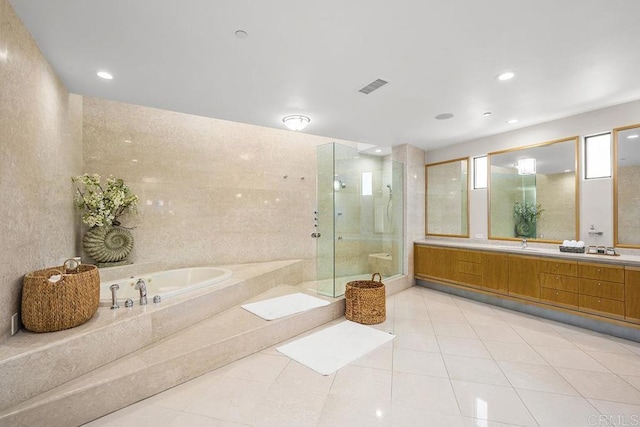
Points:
[(31, 363)]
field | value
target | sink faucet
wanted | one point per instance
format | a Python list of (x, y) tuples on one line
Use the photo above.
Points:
[(143, 291), (524, 243)]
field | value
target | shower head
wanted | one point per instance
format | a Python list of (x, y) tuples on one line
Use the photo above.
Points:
[(389, 187)]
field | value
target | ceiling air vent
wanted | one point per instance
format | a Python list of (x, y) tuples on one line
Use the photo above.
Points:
[(373, 86)]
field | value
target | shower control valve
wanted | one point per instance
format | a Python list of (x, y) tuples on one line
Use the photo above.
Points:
[(315, 235)]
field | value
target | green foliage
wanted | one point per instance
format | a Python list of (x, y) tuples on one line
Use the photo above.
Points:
[(103, 206), (527, 212)]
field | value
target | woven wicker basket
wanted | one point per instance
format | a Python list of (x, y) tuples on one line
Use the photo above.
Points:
[(366, 301), (49, 306)]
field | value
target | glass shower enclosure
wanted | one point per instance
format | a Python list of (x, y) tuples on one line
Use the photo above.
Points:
[(359, 216)]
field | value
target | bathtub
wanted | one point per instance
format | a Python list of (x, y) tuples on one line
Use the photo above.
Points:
[(167, 284)]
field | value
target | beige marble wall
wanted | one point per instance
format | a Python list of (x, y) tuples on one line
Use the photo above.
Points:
[(211, 191), (414, 160), (552, 192), (40, 136)]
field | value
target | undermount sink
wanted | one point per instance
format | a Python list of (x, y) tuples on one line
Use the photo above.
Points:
[(520, 248)]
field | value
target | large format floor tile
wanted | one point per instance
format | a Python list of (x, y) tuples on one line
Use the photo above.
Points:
[(454, 362)]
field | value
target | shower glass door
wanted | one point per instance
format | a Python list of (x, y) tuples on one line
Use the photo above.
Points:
[(360, 217)]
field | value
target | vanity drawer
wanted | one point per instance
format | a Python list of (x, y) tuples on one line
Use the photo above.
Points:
[(469, 268), (567, 268), (559, 282), (600, 288), (469, 256), (560, 297), (602, 305), (610, 273)]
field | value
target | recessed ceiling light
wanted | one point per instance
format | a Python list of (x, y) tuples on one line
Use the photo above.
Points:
[(134, 160), (567, 170), (378, 150), (486, 113), (241, 34), (507, 75), (512, 121), (635, 135), (444, 116), (105, 75), (296, 122)]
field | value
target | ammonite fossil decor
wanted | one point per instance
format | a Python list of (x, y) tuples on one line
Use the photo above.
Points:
[(108, 243)]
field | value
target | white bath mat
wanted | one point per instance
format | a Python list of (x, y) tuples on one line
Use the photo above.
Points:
[(333, 348), (286, 305)]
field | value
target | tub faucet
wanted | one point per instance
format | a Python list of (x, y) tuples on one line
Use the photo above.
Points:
[(524, 243), (143, 291), (114, 299)]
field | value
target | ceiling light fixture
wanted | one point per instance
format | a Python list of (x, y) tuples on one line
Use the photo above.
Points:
[(635, 135), (296, 122), (512, 121), (507, 75), (378, 150), (444, 116), (526, 166), (486, 113), (105, 75), (241, 34)]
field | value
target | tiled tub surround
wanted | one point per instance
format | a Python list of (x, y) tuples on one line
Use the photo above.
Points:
[(54, 358), (593, 291), (173, 359)]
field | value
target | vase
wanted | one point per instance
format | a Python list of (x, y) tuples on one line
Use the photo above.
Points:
[(524, 229), (108, 244)]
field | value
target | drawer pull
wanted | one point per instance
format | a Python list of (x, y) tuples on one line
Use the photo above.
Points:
[(557, 293), (598, 270), (599, 301), (558, 277), (599, 284)]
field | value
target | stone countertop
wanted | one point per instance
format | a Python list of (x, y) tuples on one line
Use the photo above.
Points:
[(539, 250)]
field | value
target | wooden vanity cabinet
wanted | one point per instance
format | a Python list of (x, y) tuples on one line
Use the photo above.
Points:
[(523, 277), (602, 289), (632, 294), (559, 282), (495, 272), (605, 290)]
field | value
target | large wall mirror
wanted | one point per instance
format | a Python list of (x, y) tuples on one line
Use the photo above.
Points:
[(533, 192), (448, 198), (626, 178)]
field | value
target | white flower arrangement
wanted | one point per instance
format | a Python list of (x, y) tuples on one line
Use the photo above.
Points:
[(103, 205)]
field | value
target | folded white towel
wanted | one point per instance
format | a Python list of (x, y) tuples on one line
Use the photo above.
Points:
[(580, 244), (566, 243)]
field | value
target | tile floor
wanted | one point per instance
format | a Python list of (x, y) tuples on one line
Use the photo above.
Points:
[(454, 362)]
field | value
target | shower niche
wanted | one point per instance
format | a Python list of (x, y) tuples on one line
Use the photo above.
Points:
[(360, 217)]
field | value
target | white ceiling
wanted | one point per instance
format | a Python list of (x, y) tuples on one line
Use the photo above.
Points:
[(311, 57)]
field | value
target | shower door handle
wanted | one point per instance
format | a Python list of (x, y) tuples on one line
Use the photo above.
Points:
[(315, 235)]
